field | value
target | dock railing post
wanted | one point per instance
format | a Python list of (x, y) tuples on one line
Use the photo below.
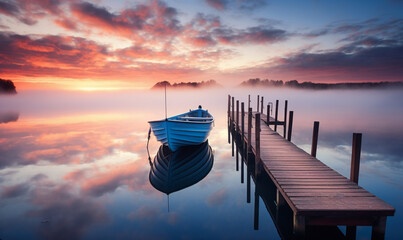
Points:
[(237, 115), (261, 106), (257, 145), (268, 115), (257, 109), (315, 135), (229, 105), (243, 128), (355, 157), (276, 117), (233, 111), (229, 116), (249, 148), (351, 231), (285, 118), (291, 117)]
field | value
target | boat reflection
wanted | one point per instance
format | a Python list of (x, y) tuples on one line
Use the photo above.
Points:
[(174, 171)]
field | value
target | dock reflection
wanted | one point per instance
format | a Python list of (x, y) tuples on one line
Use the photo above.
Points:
[(174, 171)]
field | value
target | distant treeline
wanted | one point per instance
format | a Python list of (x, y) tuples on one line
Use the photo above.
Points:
[(256, 82), (202, 84), (7, 86)]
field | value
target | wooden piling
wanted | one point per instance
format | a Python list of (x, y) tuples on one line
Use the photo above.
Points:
[(257, 109), (261, 106), (229, 105), (276, 116), (355, 157), (248, 101), (257, 144), (315, 138), (268, 114), (291, 117), (237, 114), (379, 228), (249, 130), (243, 128), (229, 118), (285, 118), (233, 110)]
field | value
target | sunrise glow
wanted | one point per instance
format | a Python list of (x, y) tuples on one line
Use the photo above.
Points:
[(100, 45)]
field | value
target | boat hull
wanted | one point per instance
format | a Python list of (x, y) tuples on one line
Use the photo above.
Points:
[(176, 134)]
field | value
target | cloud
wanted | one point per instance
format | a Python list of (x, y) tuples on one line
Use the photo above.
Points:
[(63, 144), (66, 23), (6, 117), (252, 35), (154, 19), (14, 191), (217, 198), (243, 5), (217, 4), (64, 215), (8, 8), (29, 11), (144, 213), (133, 175)]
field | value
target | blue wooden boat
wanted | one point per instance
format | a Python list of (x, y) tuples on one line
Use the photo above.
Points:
[(191, 128), (174, 171)]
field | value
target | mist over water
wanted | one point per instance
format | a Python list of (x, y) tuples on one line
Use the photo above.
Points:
[(74, 164)]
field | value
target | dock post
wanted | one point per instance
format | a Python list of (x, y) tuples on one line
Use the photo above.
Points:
[(243, 129), (291, 116), (248, 101), (351, 231), (237, 115), (285, 118), (268, 115), (299, 225), (233, 110), (229, 118), (257, 103), (261, 106), (355, 157), (249, 131), (280, 204), (276, 117), (315, 138), (378, 229), (257, 147)]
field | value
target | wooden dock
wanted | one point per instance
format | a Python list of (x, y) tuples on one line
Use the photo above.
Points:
[(317, 194)]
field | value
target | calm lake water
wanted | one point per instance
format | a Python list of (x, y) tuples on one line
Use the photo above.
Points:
[(75, 165)]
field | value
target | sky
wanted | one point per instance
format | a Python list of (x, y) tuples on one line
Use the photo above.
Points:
[(122, 44)]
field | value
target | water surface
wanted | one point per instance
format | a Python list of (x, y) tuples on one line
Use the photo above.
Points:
[(75, 165)]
